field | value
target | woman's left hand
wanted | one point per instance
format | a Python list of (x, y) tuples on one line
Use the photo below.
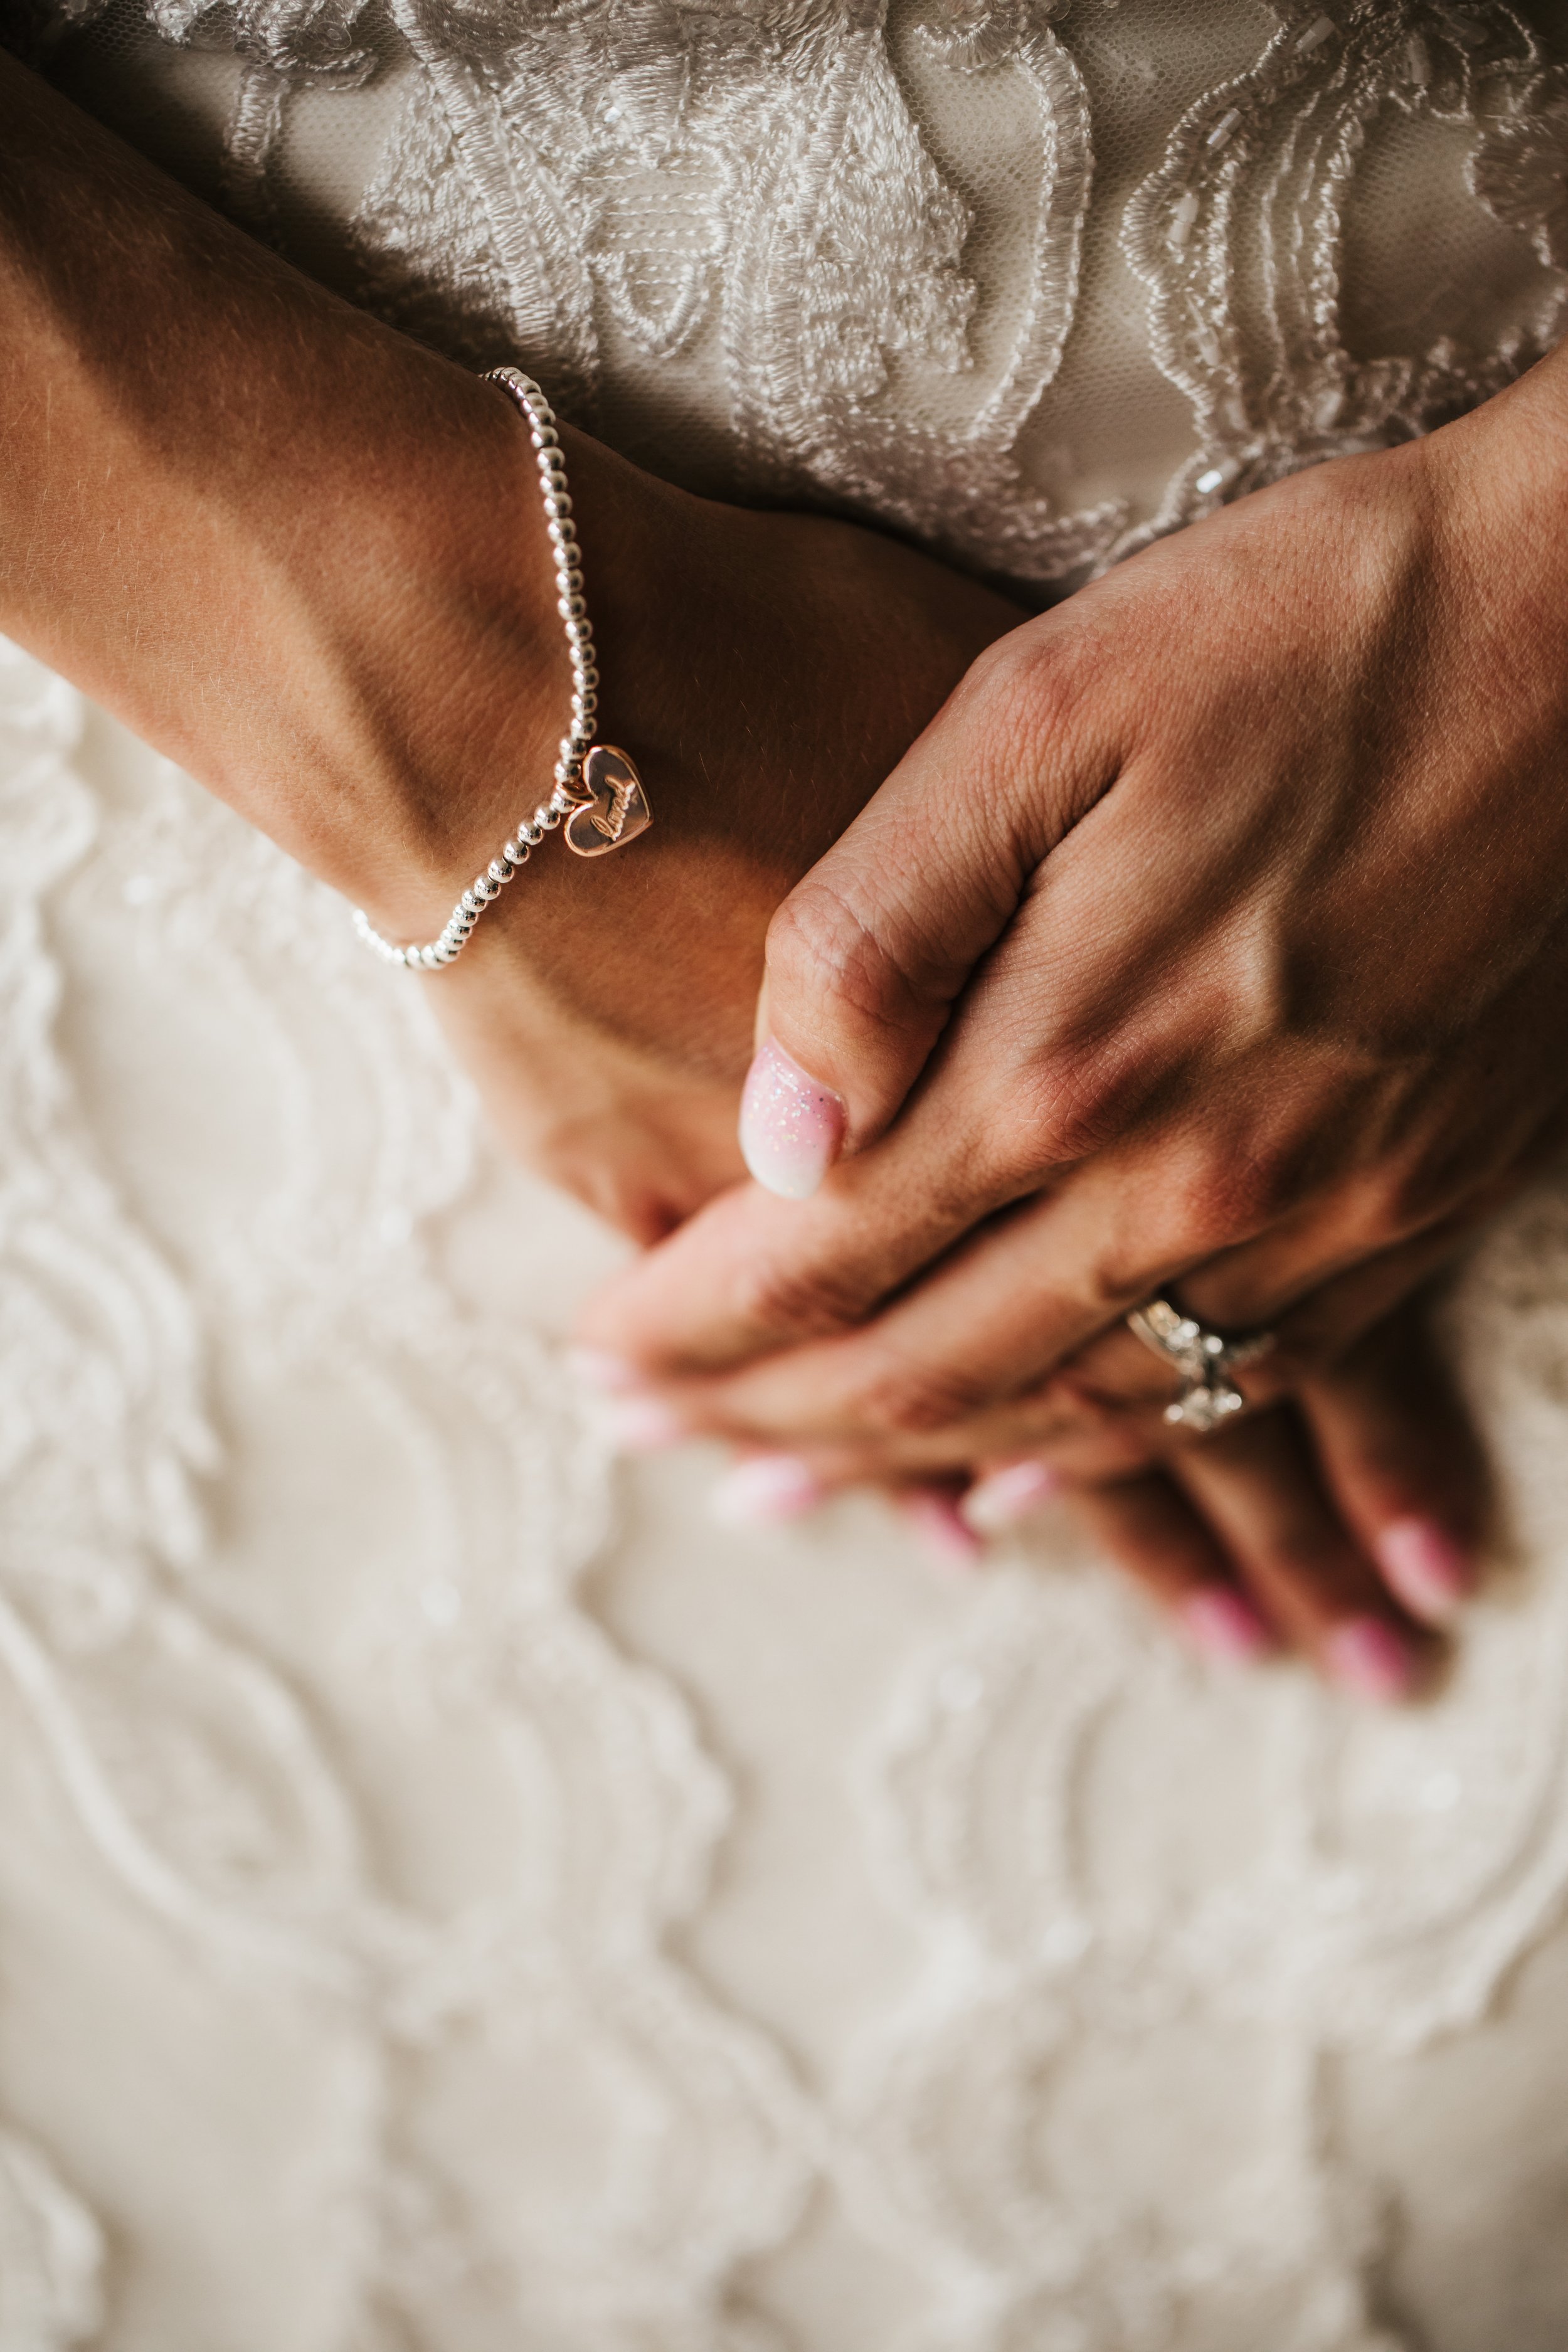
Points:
[(1219, 920), (1339, 1516)]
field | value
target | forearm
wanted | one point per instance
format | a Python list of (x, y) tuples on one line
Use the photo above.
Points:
[(236, 510)]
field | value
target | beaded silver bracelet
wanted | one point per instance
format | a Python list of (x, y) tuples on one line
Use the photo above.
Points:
[(598, 792)]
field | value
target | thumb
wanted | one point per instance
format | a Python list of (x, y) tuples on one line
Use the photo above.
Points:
[(869, 951)]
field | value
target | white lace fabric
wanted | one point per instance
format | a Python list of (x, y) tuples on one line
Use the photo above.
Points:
[(439, 1913)]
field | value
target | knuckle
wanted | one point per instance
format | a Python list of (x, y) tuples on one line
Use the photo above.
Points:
[(785, 1300), (1245, 1192), (912, 1400), (1026, 686), (824, 948), (1076, 1103), (818, 944), (1229, 1190), (1398, 1199), (1078, 1402)]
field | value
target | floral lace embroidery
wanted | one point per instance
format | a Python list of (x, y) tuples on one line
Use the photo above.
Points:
[(1264, 165), (586, 188), (571, 186)]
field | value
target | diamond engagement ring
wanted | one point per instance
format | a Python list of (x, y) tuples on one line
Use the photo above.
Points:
[(1203, 1360)]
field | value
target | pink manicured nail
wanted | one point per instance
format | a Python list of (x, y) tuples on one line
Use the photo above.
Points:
[(598, 1370), (1424, 1568), (791, 1127), (1003, 1498), (642, 1425), (1224, 1626), (1366, 1657), (764, 1491), (936, 1520)]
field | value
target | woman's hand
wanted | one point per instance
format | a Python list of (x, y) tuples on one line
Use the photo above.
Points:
[(1338, 1516), (1339, 1526), (1221, 916), (307, 558)]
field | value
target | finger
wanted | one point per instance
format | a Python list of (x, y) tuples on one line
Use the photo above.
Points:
[(1273, 1286), (867, 955), (1151, 1529), (951, 1372), (1258, 1487), (1401, 1457), (771, 1490), (746, 1276)]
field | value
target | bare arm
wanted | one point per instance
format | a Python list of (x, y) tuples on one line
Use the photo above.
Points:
[(305, 556)]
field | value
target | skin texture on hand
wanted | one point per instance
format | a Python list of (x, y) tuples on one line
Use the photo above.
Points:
[(1247, 940)]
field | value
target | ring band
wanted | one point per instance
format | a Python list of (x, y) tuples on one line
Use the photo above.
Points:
[(1205, 1359)]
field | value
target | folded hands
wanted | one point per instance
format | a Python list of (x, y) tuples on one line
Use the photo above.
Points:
[(1214, 937)]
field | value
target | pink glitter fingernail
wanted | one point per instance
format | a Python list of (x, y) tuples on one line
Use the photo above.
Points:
[(1224, 1626), (765, 1491), (947, 1537), (1003, 1498), (1366, 1657), (1424, 1568), (597, 1370), (792, 1127), (639, 1424)]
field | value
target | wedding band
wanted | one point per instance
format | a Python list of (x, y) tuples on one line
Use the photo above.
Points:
[(1204, 1359)]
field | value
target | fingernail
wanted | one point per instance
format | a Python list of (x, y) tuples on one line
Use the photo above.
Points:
[(1424, 1568), (642, 1424), (945, 1533), (1003, 1498), (1366, 1657), (598, 1370), (1224, 1626), (764, 1491), (791, 1127)]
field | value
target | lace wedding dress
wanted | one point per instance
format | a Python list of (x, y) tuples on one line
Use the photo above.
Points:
[(452, 1899)]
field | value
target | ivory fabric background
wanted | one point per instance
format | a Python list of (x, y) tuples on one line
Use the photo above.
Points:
[(453, 1900)]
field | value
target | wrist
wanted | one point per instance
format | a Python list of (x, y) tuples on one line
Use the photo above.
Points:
[(1497, 480), (428, 672)]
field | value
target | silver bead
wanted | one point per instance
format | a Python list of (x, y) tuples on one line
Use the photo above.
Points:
[(500, 869)]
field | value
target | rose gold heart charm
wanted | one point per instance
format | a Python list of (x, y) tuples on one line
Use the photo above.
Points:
[(617, 810)]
